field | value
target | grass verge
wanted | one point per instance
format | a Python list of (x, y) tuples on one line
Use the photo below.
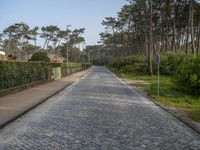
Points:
[(169, 96)]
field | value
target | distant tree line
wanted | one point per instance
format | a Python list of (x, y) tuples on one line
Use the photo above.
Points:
[(21, 41), (151, 27)]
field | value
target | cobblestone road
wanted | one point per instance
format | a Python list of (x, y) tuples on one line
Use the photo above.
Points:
[(98, 112)]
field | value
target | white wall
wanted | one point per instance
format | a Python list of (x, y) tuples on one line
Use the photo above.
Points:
[(2, 53)]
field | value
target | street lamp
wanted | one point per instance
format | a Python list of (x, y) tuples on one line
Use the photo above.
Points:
[(67, 47), (83, 46)]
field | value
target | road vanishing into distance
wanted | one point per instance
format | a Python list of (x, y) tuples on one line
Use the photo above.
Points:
[(98, 112)]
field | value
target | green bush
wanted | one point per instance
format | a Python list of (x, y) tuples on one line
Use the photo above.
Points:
[(40, 56), (138, 64), (14, 73), (170, 63), (129, 64), (187, 77), (101, 61)]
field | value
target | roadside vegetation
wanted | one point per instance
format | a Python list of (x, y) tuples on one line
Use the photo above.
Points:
[(169, 95), (57, 54), (179, 81), (16, 73)]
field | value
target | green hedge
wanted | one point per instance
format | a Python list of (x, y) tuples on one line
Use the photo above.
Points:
[(19, 73), (73, 67), (14, 73)]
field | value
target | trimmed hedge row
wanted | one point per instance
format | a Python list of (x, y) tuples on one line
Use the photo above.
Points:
[(19, 73), (14, 73), (73, 67)]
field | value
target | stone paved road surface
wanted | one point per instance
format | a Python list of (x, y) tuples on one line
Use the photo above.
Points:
[(98, 113)]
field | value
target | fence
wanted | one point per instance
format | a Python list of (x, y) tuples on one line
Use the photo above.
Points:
[(13, 73)]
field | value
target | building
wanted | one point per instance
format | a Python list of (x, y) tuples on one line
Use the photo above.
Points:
[(2, 53)]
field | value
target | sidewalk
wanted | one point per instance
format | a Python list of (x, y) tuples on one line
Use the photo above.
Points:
[(14, 105)]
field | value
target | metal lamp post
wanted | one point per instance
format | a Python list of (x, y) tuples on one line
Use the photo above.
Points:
[(67, 49)]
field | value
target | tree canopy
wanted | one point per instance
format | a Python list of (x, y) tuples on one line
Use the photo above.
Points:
[(20, 40), (151, 27)]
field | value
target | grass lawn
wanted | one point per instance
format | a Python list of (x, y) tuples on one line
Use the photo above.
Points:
[(169, 96)]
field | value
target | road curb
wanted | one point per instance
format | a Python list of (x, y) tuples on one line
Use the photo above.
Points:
[(189, 124), (181, 119), (88, 71)]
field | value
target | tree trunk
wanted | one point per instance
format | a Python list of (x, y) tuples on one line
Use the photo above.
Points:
[(174, 35), (198, 38), (146, 40), (192, 26), (167, 38), (150, 39), (188, 32), (45, 44), (35, 41), (178, 45), (161, 38)]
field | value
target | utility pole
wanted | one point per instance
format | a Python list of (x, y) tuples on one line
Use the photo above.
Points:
[(67, 48), (192, 26)]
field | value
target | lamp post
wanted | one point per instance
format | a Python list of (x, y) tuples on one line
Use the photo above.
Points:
[(67, 48), (83, 46)]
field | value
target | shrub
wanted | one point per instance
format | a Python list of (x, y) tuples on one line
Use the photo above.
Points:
[(40, 56), (129, 64), (171, 62), (138, 64), (101, 61), (187, 77), (11, 57)]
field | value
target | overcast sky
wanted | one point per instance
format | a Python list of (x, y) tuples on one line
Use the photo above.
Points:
[(78, 13)]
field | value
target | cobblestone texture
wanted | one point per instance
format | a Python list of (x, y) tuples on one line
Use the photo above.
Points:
[(98, 112)]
